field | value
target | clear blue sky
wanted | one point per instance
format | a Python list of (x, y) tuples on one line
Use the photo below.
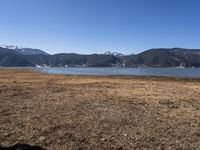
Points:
[(96, 26)]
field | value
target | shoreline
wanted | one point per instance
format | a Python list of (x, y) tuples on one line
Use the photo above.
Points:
[(111, 76)]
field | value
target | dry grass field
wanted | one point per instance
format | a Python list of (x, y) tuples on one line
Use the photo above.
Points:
[(59, 112)]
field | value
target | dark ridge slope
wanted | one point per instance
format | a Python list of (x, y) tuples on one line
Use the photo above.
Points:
[(9, 58)]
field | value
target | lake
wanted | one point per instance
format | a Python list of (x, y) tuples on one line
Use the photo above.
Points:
[(167, 72)]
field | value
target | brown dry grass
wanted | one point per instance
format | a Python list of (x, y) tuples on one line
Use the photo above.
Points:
[(80, 112)]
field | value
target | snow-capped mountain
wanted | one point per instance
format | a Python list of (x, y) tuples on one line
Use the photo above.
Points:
[(11, 47), (114, 54), (24, 51)]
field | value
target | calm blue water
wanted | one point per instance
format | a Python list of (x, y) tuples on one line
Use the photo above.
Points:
[(167, 72)]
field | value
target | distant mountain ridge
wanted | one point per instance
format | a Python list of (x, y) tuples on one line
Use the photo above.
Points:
[(24, 51), (14, 56)]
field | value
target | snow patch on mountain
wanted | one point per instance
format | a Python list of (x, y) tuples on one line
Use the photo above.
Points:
[(11, 47)]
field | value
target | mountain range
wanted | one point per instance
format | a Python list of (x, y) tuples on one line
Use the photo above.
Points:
[(14, 56)]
